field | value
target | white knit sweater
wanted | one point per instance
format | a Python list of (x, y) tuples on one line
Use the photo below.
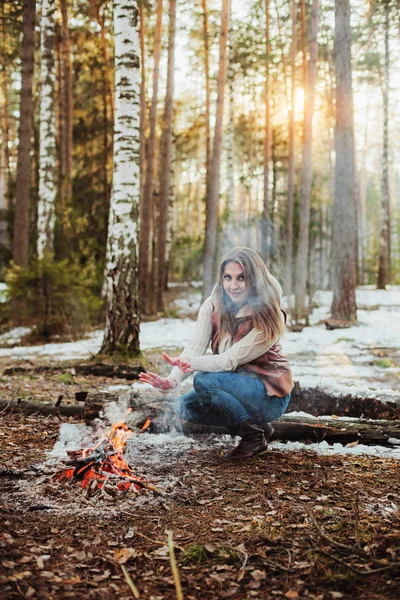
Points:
[(231, 356)]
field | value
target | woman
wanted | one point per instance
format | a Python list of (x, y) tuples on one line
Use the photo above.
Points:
[(246, 383)]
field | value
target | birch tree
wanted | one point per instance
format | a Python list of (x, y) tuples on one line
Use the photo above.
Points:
[(344, 216), (306, 171), (122, 317), (47, 157), (210, 243), (66, 110), (21, 222)]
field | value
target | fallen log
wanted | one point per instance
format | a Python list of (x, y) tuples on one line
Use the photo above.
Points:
[(97, 369), (44, 408), (157, 405)]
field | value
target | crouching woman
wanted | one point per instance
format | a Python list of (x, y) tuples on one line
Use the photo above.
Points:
[(246, 383)]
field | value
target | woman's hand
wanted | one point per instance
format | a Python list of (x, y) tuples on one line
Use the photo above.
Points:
[(158, 382), (182, 363)]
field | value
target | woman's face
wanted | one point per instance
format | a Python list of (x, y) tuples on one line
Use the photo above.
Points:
[(234, 283)]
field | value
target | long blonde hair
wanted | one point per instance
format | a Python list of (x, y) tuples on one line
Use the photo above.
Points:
[(263, 301)]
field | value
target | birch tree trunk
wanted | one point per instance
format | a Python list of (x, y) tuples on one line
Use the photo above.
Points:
[(384, 236), (123, 317), (344, 215), (21, 222), (47, 156), (291, 166), (66, 110), (306, 172), (212, 199), (146, 209), (165, 160), (267, 139), (207, 82)]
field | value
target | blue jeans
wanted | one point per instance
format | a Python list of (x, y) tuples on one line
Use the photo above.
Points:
[(225, 399)]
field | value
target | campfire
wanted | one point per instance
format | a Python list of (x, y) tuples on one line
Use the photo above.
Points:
[(103, 465)]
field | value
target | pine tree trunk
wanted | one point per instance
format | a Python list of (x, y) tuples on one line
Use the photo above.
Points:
[(384, 276), (5, 150), (230, 138), (306, 172), (146, 209), (207, 81), (143, 104), (21, 223), (122, 316), (265, 233), (344, 215), (165, 160), (212, 199), (291, 166), (47, 157), (66, 111)]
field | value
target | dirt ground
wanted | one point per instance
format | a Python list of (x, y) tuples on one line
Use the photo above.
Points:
[(285, 525)]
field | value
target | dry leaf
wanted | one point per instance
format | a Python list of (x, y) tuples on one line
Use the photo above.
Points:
[(8, 564), (40, 562), (258, 575), (292, 594), (72, 581), (122, 555), (336, 594), (352, 444)]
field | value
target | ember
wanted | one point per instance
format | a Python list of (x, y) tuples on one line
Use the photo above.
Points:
[(104, 463)]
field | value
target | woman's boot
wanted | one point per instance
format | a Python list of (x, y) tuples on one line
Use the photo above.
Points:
[(253, 441)]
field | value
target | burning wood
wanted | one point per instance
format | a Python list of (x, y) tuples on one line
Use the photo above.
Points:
[(95, 467)]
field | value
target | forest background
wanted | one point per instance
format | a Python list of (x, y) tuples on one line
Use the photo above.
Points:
[(266, 123)]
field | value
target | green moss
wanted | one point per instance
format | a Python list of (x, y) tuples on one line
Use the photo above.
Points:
[(65, 378)]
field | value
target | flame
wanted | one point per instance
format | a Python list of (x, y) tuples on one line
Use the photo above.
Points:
[(105, 460)]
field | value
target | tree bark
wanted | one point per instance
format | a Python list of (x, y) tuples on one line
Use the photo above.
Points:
[(23, 184), (267, 139), (212, 198), (384, 276), (123, 316), (230, 137), (306, 173), (5, 150), (146, 209), (165, 160), (207, 82), (291, 166), (66, 110), (344, 215), (47, 157), (143, 104)]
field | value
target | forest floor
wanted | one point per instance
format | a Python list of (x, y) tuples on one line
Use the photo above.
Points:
[(290, 524), (285, 525)]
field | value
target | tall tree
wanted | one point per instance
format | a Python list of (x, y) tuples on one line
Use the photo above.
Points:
[(291, 166), (123, 315), (21, 222), (306, 171), (165, 160), (47, 158), (344, 215), (267, 137), (207, 82), (212, 199), (146, 208), (4, 150), (143, 103), (230, 138), (384, 275), (66, 110)]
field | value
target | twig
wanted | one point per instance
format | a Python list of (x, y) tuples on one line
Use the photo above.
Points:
[(11, 401), (129, 581), (174, 568), (357, 520), (350, 567)]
